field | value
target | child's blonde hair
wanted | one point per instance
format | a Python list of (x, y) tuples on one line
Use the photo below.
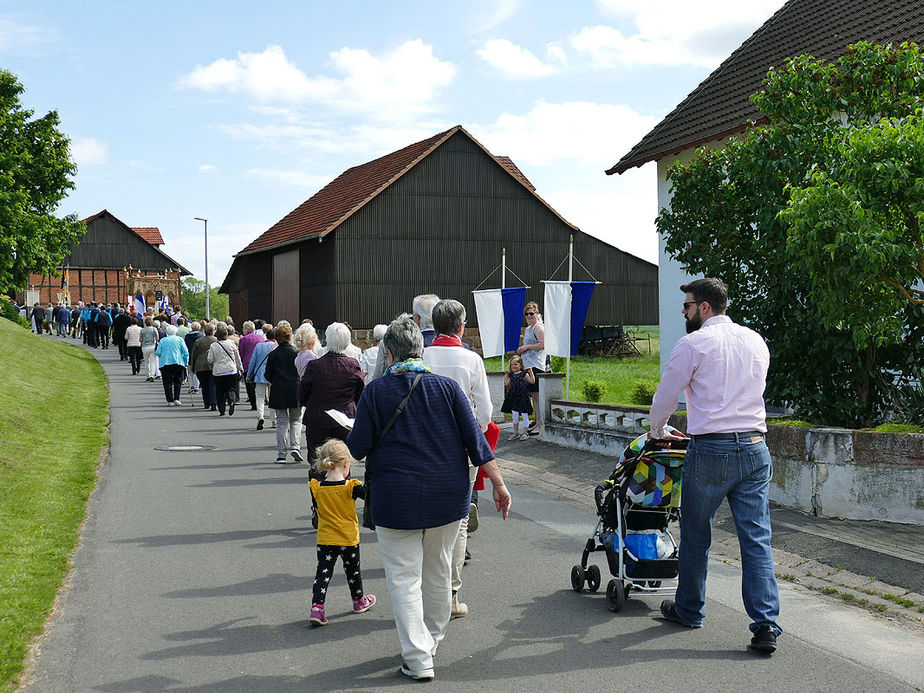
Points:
[(518, 359), (332, 453)]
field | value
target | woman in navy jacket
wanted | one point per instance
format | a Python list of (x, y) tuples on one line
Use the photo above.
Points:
[(420, 487)]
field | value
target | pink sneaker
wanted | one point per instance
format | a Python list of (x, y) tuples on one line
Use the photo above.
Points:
[(317, 615), (362, 604)]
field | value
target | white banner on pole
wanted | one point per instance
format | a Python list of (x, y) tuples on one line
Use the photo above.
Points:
[(557, 318), (490, 310)]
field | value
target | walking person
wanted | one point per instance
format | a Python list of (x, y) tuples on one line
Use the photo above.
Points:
[(338, 528), (256, 372), (190, 338), (103, 325), (418, 464), (447, 356), (248, 342), (333, 381), (202, 368), (283, 379), (64, 319), (226, 369), (305, 340), (174, 357), (133, 345), (149, 339), (721, 367), (120, 324)]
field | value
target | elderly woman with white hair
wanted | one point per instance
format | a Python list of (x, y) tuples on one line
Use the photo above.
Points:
[(173, 356), (305, 340), (333, 381)]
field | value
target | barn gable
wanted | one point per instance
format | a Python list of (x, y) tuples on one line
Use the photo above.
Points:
[(436, 220), (109, 242)]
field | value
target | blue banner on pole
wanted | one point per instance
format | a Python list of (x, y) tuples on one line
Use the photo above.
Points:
[(580, 301), (513, 301)]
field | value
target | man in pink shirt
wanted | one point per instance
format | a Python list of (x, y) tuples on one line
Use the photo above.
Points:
[(721, 367)]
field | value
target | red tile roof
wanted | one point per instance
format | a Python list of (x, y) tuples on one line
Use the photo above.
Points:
[(721, 105), (149, 233), (347, 193), (515, 171)]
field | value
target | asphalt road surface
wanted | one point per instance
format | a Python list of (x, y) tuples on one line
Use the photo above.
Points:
[(195, 570)]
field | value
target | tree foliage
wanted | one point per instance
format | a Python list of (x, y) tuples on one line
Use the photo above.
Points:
[(35, 175), (193, 294), (814, 220)]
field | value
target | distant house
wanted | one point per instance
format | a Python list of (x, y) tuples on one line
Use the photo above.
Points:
[(105, 265), (432, 217), (720, 107)]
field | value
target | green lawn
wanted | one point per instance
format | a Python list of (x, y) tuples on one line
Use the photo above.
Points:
[(52, 428), (619, 374)]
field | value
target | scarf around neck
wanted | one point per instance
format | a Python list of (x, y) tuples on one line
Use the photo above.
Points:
[(447, 340), (408, 366)]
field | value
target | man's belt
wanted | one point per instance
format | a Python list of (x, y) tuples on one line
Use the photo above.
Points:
[(729, 436)]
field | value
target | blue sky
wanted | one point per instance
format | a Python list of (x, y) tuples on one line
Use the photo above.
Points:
[(240, 111)]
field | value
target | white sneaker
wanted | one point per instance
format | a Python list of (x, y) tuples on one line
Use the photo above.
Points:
[(513, 436)]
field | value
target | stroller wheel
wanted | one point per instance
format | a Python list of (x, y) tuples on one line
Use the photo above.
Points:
[(593, 578), (577, 578), (654, 583), (615, 595)]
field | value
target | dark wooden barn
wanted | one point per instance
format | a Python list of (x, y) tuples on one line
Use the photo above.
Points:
[(102, 267), (432, 217)]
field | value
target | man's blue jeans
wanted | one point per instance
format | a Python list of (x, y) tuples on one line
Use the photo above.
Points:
[(739, 470)]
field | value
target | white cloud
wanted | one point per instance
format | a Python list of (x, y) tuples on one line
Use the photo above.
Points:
[(499, 12), (672, 32), (577, 130), (295, 178), (564, 148), (406, 80), (207, 168), (513, 61), (89, 152), (14, 35)]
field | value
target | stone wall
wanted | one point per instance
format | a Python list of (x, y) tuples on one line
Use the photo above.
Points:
[(837, 473)]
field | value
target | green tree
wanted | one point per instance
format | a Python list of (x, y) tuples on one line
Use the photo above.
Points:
[(193, 294), (35, 175), (813, 219)]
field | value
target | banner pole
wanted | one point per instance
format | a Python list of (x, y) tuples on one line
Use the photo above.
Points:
[(503, 286), (568, 360)]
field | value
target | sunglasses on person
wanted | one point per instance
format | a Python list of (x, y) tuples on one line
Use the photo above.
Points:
[(530, 313)]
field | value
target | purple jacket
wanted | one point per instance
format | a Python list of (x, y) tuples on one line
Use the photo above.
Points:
[(247, 344), (334, 381)]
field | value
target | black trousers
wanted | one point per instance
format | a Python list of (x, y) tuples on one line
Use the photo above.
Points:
[(251, 393), (134, 357), (206, 387), (327, 558), (103, 336), (224, 390), (123, 350), (172, 377)]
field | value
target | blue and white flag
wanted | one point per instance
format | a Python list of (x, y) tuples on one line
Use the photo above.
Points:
[(500, 316), (164, 304), (564, 312), (139, 304)]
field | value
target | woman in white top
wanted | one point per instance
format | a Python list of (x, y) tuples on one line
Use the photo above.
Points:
[(226, 364), (133, 345), (149, 339), (533, 353)]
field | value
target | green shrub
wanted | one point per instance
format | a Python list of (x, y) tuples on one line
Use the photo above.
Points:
[(558, 364), (643, 392), (8, 311), (593, 390)]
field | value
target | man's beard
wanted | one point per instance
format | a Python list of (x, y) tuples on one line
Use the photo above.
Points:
[(694, 323)]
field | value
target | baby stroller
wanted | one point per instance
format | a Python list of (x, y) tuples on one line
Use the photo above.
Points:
[(635, 506)]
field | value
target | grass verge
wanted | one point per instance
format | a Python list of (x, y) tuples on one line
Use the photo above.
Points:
[(51, 432), (620, 374)]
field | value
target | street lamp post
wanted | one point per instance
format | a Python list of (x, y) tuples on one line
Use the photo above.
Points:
[(208, 315)]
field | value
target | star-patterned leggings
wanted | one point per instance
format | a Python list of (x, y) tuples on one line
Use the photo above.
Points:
[(327, 558)]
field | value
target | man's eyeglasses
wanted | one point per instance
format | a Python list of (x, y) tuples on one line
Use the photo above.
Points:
[(687, 304), (530, 313)]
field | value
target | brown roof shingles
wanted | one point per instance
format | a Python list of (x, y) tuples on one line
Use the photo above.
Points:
[(149, 233), (721, 105), (327, 208)]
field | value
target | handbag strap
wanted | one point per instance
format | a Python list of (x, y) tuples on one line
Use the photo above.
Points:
[(394, 417)]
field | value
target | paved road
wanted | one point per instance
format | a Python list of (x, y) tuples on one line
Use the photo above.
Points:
[(195, 570)]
